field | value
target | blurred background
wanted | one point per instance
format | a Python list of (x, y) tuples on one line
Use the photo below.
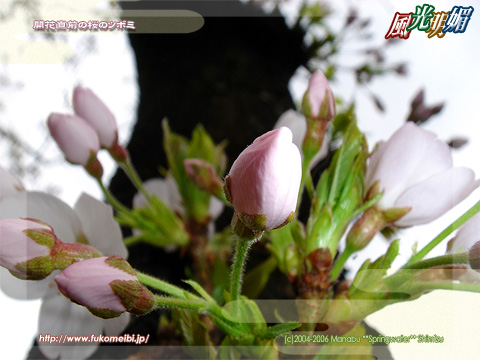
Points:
[(345, 39)]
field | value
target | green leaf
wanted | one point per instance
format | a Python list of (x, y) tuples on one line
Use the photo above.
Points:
[(194, 334), (220, 279), (198, 288), (256, 279)]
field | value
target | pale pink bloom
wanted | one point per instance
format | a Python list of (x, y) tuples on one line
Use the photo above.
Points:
[(89, 283), (265, 178), (318, 90), (91, 221), (75, 137), (415, 170), (17, 247), (88, 106), (297, 123), (467, 236), (9, 184)]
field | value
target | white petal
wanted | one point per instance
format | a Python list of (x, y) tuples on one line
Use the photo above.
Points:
[(296, 122), (165, 189), (374, 159), (466, 236), (99, 226), (44, 207), (23, 289), (115, 326), (410, 156), (436, 195), (216, 207), (58, 316)]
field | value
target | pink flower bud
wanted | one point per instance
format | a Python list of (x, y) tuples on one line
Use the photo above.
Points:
[(106, 286), (88, 106), (25, 248), (75, 137), (264, 181), (415, 170), (320, 97)]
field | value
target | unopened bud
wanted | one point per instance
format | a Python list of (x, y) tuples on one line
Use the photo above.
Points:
[(89, 107), (264, 181), (202, 173), (319, 108), (106, 286), (75, 137), (365, 228), (25, 246)]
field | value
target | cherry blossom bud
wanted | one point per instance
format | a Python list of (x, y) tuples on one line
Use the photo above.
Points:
[(414, 170), (88, 106), (106, 286), (203, 175), (75, 137), (25, 246), (264, 181), (319, 108), (320, 98)]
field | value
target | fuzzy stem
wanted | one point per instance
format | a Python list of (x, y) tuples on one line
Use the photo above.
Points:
[(164, 286), (162, 301), (241, 251)]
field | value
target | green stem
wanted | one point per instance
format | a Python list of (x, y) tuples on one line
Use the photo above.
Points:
[(445, 285), (237, 268), (162, 301), (367, 205), (164, 286), (404, 274), (448, 259), (133, 176), (111, 199), (338, 266), (453, 226)]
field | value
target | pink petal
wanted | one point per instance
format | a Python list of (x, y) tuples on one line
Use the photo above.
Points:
[(88, 106), (265, 178), (88, 283), (74, 136), (410, 156), (436, 195)]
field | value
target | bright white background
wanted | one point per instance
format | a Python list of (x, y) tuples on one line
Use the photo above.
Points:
[(446, 68)]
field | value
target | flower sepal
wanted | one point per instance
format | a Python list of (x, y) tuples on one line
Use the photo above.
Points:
[(243, 231)]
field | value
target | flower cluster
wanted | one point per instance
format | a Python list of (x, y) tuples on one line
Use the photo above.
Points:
[(80, 136), (71, 257)]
